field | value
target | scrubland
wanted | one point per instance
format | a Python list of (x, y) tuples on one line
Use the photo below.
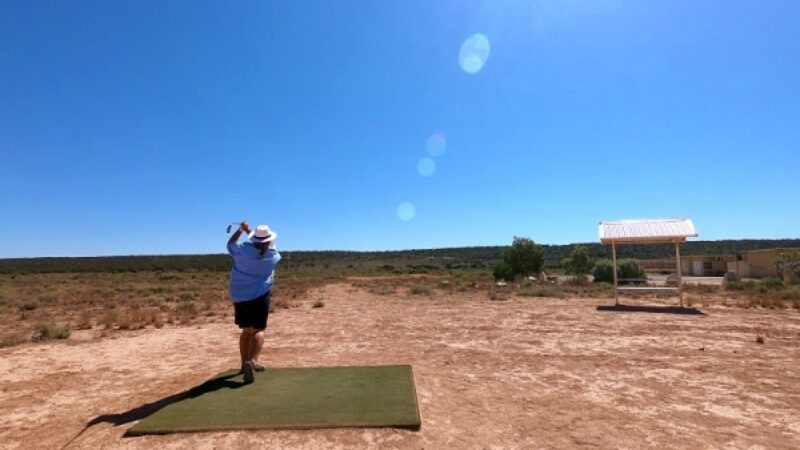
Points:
[(520, 365)]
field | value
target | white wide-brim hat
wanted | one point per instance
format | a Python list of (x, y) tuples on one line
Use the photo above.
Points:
[(262, 234)]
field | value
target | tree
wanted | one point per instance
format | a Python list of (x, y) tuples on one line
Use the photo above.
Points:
[(788, 265), (503, 271), (524, 256), (579, 263)]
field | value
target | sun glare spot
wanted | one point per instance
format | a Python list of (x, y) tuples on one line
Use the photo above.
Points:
[(426, 167), (474, 53), (406, 211), (436, 145)]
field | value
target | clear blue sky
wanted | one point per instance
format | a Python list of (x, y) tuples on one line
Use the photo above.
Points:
[(145, 127)]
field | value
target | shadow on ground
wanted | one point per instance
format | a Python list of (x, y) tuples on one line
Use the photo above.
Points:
[(652, 309), (143, 411), (140, 412)]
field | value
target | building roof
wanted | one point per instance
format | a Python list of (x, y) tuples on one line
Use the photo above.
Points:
[(647, 231)]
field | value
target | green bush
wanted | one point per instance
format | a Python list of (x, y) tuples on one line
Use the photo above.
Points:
[(630, 269), (626, 268), (503, 271), (771, 283), (603, 271)]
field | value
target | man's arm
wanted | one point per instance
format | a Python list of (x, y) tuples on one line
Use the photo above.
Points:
[(235, 237)]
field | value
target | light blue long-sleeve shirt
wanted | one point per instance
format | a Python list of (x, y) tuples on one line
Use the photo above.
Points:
[(252, 274)]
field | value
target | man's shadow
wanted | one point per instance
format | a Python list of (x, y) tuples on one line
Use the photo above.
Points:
[(140, 412)]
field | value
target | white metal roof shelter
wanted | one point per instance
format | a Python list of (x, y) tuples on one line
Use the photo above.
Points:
[(647, 231)]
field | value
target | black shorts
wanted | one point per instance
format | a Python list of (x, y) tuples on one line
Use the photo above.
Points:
[(252, 313)]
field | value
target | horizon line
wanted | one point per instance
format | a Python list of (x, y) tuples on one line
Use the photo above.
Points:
[(372, 251)]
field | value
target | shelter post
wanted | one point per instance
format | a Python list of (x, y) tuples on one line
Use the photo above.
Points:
[(680, 271), (614, 262)]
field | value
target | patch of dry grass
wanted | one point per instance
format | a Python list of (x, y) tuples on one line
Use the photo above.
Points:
[(540, 291), (419, 289), (50, 331), (13, 339)]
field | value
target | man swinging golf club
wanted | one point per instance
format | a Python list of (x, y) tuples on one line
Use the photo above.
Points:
[(252, 276)]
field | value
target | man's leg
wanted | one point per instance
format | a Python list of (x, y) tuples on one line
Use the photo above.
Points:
[(256, 344), (245, 348), (260, 323), (245, 344)]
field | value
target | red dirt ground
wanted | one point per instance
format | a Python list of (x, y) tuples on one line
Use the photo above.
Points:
[(521, 373)]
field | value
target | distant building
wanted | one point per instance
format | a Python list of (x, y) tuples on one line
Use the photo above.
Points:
[(691, 266), (750, 264), (706, 265), (757, 263)]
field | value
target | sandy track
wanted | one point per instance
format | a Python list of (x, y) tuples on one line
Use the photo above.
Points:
[(522, 373)]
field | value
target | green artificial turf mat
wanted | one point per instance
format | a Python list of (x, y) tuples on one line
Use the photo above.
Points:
[(308, 397)]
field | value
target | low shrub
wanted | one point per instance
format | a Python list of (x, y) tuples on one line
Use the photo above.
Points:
[(85, 320), (13, 339), (49, 331), (587, 290), (701, 288), (771, 283), (748, 285), (318, 304), (503, 271), (30, 305), (543, 291), (627, 268), (379, 288), (603, 271), (187, 307), (127, 321), (279, 303), (792, 293), (420, 289), (110, 319), (631, 271), (498, 296), (48, 299)]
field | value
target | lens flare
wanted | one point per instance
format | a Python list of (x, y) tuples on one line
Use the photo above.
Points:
[(426, 167), (436, 145), (474, 53), (406, 211)]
